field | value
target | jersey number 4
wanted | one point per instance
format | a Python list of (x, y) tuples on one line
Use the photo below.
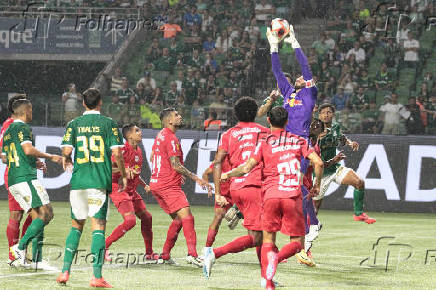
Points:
[(96, 144), (289, 168)]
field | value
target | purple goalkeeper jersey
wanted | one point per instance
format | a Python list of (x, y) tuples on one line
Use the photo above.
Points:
[(299, 105)]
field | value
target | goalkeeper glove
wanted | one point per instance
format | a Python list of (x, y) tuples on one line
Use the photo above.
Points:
[(273, 40), (291, 38)]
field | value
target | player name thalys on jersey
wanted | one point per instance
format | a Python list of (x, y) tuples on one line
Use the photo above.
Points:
[(88, 129)]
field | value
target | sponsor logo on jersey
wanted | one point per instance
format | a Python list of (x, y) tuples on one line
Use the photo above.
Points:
[(293, 102)]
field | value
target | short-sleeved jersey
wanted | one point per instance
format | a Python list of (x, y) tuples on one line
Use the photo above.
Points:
[(307, 179), (239, 142), (328, 144), (21, 167), (280, 155), (5, 126), (225, 167), (132, 159), (93, 137), (166, 145)]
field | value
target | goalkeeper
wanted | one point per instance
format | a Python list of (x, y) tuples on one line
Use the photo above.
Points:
[(298, 100)]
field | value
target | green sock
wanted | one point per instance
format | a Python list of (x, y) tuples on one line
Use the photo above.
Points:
[(37, 247), (33, 230), (358, 201), (97, 250), (71, 246)]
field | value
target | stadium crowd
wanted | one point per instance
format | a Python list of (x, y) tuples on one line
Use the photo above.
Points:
[(206, 54)]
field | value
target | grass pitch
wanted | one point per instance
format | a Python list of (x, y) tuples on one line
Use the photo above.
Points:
[(405, 256)]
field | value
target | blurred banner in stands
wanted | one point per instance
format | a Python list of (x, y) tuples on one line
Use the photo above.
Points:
[(55, 38), (398, 170)]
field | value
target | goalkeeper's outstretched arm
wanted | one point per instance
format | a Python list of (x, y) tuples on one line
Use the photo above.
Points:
[(282, 82)]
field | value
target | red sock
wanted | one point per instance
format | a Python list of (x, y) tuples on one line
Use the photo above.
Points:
[(211, 234), (289, 250), (147, 233), (235, 246), (128, 223), (269, 260), (26, 224), (190, 235), (12, 232), (173, 232)]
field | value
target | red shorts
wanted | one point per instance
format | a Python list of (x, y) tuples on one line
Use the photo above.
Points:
[(13, 204), (285, 215), (171, 199), (229, 200), (249, 201), (137, 204)]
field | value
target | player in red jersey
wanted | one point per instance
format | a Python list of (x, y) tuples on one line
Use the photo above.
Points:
[(15, 210), (237, 144), (220, 211), (165, 185), (128, 202), (280, 156)]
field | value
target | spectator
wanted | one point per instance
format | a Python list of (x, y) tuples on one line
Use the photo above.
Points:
[(125, 92), (192, 18), (115, 110), (153, 51), (179, 80), (253, 30), (391, 52), (330, 42), (210, 66), (195, 60), (212, 123), (431, 116), (140, 91), (158, 99), (392, 111), (147, 81), (358, 52), (133, 110), (245, 41), (172, 94), (165, 62), (263, 11), (411, 47), (197, 115), (370, 121), (223, 42), (170, 29), (321, 46), (382, 80), (360, 100), (116, 80), (424, 92), (220, 107), (207, 20), (176, 46), (363, 80), (149, 118), (71, 103), (340, 100), (414, 123), (209, 44), (210, 84), (190, 86), (421, 103), (402, 34)]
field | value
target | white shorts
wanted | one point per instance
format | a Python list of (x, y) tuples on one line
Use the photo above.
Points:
[(29, 194), (90, 202), (337, 177)]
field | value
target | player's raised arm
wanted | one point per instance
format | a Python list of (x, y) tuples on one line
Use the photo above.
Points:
[(282, 82), (268, 103)]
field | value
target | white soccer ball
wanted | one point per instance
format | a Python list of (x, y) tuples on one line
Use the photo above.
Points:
[(280, 27)]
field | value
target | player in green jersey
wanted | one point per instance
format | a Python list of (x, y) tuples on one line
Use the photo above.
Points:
[(275, 99), (95, 138), (21, 155), (328, 141)]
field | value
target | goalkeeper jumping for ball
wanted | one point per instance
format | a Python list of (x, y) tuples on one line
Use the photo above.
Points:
[(298, 100)]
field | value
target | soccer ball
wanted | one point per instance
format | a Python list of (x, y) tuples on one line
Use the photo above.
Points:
[(280, 27)]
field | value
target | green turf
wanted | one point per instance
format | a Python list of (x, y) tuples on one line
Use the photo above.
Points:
[(342, 245)]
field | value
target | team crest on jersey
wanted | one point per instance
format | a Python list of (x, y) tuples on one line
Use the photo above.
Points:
[(136, 158)]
